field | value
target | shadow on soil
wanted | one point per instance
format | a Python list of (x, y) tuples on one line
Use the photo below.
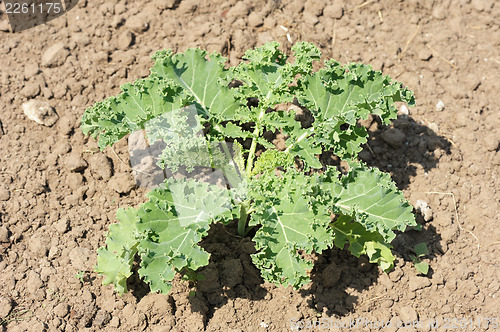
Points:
[(231, 274)]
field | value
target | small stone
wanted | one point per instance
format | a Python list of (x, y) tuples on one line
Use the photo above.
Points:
[(124, 40), (122, 183), (100, 167), (403, 110), (137, 23), (30, 90), (6, 306), (55, 55), (417, 283), (434, 128), (80, 258), (440, 106), (40, 112), (422, 207), (331, 275), (31, 69), (4, 234), (425, 54), (62, 225), (61, 310), (75, 163), (335, 11), (114, 322), (4, 193), (408, 314), (394, 137)]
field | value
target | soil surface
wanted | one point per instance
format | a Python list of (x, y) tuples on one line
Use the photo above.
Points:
[(58, 194)]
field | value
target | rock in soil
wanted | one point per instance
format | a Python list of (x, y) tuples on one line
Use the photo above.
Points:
[(122, 183), (40, 112), (55, 55), (4, 193), (100, 167)]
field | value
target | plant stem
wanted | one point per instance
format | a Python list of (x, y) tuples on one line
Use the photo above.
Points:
[(253, 147), (242, 222)]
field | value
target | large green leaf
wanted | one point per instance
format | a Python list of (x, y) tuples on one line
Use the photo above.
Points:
[(201, 76), (289, 223), (370, 198), (175, 219)]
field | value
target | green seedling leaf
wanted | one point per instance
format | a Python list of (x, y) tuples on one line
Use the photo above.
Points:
[(421, 249), (421, 267)]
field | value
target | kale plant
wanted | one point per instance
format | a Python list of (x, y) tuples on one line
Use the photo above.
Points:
[(226, 119)]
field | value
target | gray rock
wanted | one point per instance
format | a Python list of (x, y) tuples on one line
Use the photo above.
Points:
[(55, 55), (394, 137), (40, 112), (422, 207)]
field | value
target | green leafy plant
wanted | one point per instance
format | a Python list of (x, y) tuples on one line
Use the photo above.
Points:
[(227, 119)]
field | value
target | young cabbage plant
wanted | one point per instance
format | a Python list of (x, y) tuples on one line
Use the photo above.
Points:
[(208, 115)]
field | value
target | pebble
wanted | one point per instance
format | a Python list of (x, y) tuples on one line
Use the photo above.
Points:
[(4, 194), (6, 306), (440, 106), (80, 258), (417, 283), (331, 275), (403, 110), (122, 183), (61, 310), (62, 225), (75, 163), (394, 137), (137, 23), (124, 40), (40, 112), (422, 207), (4, 234), (100, 167), (55, 55), (335, 11)]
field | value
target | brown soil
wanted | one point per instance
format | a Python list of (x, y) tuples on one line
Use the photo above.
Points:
[(58, 195)]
